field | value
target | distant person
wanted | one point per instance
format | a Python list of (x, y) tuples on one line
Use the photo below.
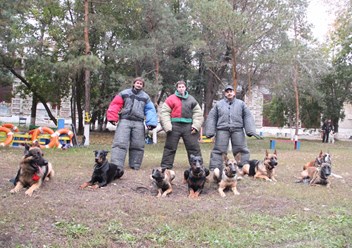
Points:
[(229, 120), (129, 110), (326, 129), (180, 116)]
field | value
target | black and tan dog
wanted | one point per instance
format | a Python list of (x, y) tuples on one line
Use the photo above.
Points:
[(34, 169), (227, 176), (262, 169), (317, 175), (161, 179), (195, 176), (104, 172), (322, 158)]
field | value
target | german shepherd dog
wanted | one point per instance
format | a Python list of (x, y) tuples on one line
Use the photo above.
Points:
[(262, 169), (322, 158), (161, 179), (317, 175), (34, 169), (195, 176), (104, 172), (227, 176)]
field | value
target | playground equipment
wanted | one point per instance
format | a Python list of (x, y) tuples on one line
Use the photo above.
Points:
[(46, 130), (66, 135), (9, 136), (46, 137)]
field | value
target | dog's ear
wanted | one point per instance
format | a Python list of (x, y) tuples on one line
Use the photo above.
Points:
[(266, 153), (225, 158), (320, 154), (163, 170), (26, 147), (275, 152), (36, 144), (238, 157)]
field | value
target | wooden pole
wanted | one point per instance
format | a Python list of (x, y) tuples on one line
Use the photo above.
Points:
[(86, 76)]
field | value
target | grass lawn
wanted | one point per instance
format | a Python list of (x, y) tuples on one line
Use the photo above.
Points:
[(126, 213)]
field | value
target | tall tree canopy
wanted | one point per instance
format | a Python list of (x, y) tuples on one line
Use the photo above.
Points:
[(206, 43)]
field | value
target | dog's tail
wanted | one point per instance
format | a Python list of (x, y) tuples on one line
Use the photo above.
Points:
[(217, 175), (302, 180), (336, 176), (172, 175)]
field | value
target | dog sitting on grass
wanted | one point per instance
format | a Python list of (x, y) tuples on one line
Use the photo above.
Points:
[(162, 179), (104, 172), (227, 176), (262, 169), (321, 159), (195, 176), (34, 169), (316, 175)]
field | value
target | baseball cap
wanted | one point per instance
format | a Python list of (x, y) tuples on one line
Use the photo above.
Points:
[(228, 87)]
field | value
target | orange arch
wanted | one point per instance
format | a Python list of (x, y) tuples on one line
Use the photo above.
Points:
[(66, 131), (11, 126), (39, 130), (9, 137)]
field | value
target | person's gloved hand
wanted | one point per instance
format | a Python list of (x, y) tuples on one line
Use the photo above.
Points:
[(257, 136), (194, 130), (113, 123), (209, 136), (149, 127)]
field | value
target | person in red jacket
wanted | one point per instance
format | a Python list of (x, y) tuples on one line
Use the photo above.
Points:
[(129, 110), (180, 116)]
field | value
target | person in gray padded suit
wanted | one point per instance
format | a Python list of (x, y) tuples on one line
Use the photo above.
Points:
[(129, 110), (229, 119)]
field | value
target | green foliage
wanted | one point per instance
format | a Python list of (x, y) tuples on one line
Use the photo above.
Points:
[(165, 41), (72, 229), (310, 110), (276, 112)]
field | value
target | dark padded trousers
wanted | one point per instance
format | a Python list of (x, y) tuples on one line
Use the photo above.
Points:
[(239, 145), (129, 136), (191, 142)]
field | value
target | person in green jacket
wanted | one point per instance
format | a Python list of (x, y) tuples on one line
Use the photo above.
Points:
[(180, 116)]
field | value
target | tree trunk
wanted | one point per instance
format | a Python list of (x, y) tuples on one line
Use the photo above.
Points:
[(234, 69), (79, 100), (87, 117), (73, 103), (39, 97), (213, 82), (33, 111), (295, 86)]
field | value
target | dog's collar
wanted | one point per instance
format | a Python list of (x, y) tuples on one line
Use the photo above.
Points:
[(99, 166), (159, 179), (201, 173)]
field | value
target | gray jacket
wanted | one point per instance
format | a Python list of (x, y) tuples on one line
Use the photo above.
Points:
[(230, 116)]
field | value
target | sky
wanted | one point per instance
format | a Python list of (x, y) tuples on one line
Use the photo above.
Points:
[(320, 15)]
